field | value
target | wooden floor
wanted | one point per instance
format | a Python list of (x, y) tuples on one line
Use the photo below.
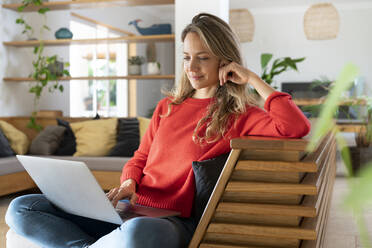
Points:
[(341, 230)]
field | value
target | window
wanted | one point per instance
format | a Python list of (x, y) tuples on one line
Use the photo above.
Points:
[(103, 97)]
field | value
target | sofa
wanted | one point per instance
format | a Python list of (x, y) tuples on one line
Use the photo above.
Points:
[(14, 178), (106, 169)]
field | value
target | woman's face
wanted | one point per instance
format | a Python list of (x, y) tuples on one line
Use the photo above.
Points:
[(200, 65)]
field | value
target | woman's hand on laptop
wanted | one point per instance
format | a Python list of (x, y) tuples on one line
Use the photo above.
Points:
[(126, 190)]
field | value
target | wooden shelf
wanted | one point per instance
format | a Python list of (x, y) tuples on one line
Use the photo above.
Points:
[(80, 4), (139, 77), (62, 42), (317, 101)]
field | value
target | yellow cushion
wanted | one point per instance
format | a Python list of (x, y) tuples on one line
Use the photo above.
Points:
[(144, 123), (17, 139), (95, 137)]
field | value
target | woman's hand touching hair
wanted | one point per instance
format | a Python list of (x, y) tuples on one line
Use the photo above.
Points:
[(234, 72), (238, 74), (126, 190)]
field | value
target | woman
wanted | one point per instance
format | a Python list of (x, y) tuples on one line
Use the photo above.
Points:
[(195, 122)]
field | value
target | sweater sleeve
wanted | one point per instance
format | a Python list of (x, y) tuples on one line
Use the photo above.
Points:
[(134, 167), (282, 118)]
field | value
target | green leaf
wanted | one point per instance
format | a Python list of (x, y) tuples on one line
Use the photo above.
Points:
[(43, 10), (66, 72), (20, 21), (67, 64), (265, 59), (21, 8), (46, 27), (299, 60), (278, 71), (36, 49), (61, 88), (325, 120), (290, 63)]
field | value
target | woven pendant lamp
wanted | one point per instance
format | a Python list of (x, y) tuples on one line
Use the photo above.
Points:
[(321, 22), (242, 22)]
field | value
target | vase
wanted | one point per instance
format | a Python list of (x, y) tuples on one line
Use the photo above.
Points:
[(63, 33), (56, 68), (134, 70), (153, 68)]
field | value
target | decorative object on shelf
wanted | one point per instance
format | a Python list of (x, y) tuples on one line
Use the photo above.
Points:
[(56, 68), (153, 66), (63, 33), (134, 66), (278, 66), (242, 22), (152, 30), (321, 22)]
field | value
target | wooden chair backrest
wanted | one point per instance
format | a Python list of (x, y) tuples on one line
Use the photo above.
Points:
[(271, 193)]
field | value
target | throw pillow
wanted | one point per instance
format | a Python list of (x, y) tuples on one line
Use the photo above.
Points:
[(5, 149), (17, 139), (144, 123), (67, 147), (47, 141), (206, 174), (127, 140), (94, 138)]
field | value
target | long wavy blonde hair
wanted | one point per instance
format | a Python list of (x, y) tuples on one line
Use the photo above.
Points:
[(231, 99)]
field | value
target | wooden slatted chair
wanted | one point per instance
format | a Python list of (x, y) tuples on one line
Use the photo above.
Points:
[(270, 194)]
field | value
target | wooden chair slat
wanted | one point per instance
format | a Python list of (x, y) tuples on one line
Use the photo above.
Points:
[(262, 231), (249, 240), (278, 188), (266, 209)]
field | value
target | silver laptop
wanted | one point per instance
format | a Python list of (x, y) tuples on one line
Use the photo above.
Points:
[(71, 186)]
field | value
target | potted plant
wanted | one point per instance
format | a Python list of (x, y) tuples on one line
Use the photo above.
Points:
[(134, 65), (45, 68), (153, 67)]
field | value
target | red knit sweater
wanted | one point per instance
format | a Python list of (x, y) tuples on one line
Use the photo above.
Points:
[(162, 165)]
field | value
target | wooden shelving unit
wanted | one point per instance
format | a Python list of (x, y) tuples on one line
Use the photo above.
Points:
[(130, 77), (130, 40), (64, 42), (80, 4)]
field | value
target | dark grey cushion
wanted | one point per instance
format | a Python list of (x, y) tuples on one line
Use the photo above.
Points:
[(127, 140), (48, 140), (206, 175), (5, 149), (68, 143)]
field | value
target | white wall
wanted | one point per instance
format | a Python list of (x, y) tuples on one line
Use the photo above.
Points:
[(15, 100), (279, 30), (185, 11)]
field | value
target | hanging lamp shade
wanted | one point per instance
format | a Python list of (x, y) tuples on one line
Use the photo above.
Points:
[(321, 22), (242, 22)]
